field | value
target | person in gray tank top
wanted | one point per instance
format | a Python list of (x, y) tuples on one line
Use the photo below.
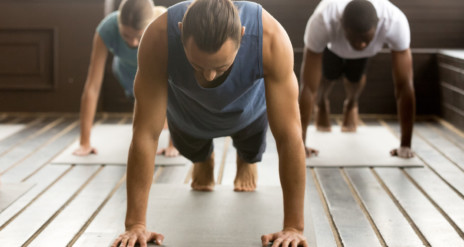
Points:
[(216, 68)]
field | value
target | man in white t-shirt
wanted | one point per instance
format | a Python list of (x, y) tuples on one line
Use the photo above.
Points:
[(340, 37)]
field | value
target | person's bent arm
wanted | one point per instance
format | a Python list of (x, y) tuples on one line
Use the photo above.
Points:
[(150, 90), (90, 94), (284, 121), (310, 78), (405, 100)]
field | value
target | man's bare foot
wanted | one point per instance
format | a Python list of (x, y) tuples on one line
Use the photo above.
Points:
[(350, 119), (247, 176), (203, 175), (323, 119)]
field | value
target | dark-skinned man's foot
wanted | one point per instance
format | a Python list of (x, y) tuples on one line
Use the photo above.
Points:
[(323, 119), (350, 119)]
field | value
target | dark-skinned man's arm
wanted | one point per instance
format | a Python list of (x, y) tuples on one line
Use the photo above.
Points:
[(405, 100)]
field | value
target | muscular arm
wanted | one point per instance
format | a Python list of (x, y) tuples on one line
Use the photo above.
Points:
[(284, 120), (150, 90), (404, 91), (92, 90), (310, 78)]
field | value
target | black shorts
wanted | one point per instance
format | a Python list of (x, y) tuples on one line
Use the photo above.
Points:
[(333, 67), (250, 142)]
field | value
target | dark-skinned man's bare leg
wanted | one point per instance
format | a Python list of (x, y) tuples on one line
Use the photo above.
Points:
[(203, 175), (323, 106), (350, 105), (246, 177)]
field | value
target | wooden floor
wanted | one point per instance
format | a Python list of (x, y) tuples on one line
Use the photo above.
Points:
[(350, 207)]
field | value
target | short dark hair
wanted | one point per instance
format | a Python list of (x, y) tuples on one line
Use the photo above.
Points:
[(359, 16), (210, 23)]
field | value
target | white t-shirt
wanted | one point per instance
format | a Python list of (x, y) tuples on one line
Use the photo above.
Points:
[(324, 29)]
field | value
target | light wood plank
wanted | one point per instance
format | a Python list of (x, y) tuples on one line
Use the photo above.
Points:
[(352, 224), (394, 228), (109, 223), (42, 181), (449, 172), (448, 149), (428, 219), (323, 230), (31, 146), (63, 228), (173, 174), (39, 159), (451, 204), (44, 208), (21, 136), (10, 192)]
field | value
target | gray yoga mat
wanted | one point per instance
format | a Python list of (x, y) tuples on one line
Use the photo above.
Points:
[(112, 143), (369, 146), (221, 218)]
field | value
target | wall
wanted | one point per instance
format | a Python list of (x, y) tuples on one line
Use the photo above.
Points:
[(434, 24)]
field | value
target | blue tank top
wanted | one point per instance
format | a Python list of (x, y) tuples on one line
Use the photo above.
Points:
[(125, 57), (234, 104)]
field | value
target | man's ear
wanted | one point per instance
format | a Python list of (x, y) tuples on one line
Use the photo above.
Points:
[(179, 24), (243, 30)]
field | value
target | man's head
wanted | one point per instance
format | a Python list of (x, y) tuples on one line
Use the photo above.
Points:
[(211, 35), (134, 16), (359, 21)]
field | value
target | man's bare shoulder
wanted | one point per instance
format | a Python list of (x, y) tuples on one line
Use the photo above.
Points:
[(154, 45), (276, 43), (158, 27)]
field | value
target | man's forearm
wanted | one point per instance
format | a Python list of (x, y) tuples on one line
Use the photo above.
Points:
[(292, 170), (406, 104), (140, 170)]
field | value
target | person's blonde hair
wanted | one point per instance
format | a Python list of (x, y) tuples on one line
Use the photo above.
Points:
[(136, 14)]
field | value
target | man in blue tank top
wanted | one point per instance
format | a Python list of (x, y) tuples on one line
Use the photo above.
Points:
[(216, 68)]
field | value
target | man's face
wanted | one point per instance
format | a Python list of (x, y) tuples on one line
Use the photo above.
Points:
[(130, 36), (359, 41), (211, 65)]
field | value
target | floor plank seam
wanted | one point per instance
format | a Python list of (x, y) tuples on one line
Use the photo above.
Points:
[(157, 174), (15, 120), (19, 142), (37, 133), (35, 198), (442, 212), (46, 163), (97, 211), (446, 136), (223, 160), (449, 126), (439, 151), (426, 163), (37, 233), (122, 121), (189, 175), (363, 207), (402, 210), (336, 234), (52, 139)]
